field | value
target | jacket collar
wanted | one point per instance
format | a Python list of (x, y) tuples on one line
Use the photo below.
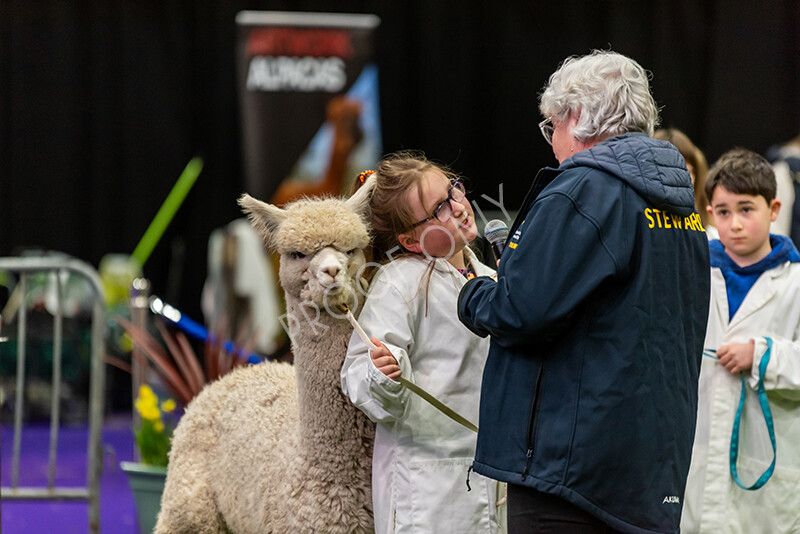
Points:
[(442, 265), (759, 295)]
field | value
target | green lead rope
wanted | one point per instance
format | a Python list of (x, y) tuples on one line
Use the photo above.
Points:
[(411, 386), (439, 405), (764, 402)]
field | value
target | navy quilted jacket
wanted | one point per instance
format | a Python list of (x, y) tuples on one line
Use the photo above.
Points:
[(597, 322)]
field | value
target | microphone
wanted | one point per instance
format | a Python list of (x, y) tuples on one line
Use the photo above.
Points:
[(496, 232)]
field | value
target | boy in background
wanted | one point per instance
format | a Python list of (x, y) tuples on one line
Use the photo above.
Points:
[(745, 470)]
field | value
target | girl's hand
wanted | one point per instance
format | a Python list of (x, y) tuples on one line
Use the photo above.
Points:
[(737, 357), (384, 360)]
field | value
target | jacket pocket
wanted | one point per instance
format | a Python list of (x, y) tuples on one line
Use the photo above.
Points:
[(440, 501), (771, 508), (532, 418)]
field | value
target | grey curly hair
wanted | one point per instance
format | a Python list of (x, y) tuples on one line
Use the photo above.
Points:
[(610, 91)]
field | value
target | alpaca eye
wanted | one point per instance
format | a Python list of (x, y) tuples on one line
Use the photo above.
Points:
[(296, 255), (351, 252)]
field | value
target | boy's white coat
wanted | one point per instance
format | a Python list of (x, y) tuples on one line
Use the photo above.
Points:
[(713, 502)]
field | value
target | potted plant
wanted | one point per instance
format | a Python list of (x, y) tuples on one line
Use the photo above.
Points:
[(152, 436), (184, 374)]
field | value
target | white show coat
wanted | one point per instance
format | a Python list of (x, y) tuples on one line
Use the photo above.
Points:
[(713, 502), (784, 179), (421, 457)]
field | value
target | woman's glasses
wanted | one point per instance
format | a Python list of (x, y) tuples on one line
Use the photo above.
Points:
[(546, 127), (443, 210)]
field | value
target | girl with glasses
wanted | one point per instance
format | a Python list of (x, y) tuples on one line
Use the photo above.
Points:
[(422, 225)]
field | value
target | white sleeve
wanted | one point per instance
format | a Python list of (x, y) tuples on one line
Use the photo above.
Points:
[(784, 193), (782, 375), (388, 318)]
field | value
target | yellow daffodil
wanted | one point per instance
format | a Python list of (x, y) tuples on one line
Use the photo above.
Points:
[(152, 434), (148, 410), (146, 394), (168, 405), (151, 413)]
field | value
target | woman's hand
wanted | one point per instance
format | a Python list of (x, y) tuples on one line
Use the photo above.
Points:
[(737, 357), (384, 360)]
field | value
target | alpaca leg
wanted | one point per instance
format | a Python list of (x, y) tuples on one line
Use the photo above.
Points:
[(188, 504), (188, 510)]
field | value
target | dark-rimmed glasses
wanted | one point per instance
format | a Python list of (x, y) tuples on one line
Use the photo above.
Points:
[(546, 127), (443, 210)]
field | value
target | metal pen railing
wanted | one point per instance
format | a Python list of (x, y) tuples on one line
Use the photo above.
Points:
[(91, 491)]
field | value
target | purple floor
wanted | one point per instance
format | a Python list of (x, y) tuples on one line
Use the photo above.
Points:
[(117, 513)]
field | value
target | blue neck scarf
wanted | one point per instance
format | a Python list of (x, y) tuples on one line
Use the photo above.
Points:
[(739, 280)]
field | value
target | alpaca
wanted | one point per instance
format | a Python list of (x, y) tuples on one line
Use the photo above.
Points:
[(274, 447)]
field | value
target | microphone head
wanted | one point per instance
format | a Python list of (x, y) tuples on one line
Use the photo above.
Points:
[(496, 232)]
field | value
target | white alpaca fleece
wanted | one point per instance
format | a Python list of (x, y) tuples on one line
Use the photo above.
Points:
[(312, 225), (307, 225), (278, 448)]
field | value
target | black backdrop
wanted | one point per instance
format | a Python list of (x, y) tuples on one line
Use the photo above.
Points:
[(102, 102)]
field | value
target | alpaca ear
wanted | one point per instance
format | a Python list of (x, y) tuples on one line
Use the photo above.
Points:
[(359, 202), (264, 218)]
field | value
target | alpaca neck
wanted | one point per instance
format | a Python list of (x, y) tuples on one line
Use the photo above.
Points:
[(325, 414)]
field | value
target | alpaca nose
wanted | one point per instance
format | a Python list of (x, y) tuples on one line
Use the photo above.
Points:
[(331, 270), (328, 265)]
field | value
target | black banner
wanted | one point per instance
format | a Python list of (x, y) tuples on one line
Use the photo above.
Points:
[(308, 88)]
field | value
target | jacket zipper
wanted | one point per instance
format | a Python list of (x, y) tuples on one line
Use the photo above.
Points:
[(532, 423), (529, 199)]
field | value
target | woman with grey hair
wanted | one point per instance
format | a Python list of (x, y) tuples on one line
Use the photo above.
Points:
[(597, 318)]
